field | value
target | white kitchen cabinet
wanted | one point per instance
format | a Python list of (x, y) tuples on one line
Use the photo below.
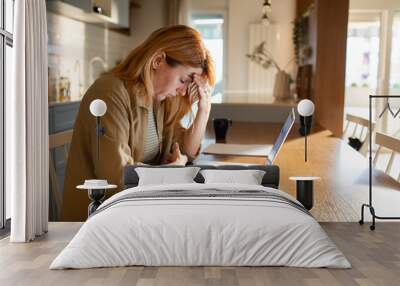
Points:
[(110, 13)]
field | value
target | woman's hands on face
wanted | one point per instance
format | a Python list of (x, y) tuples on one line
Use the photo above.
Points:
[(176, 157), (203, 93)]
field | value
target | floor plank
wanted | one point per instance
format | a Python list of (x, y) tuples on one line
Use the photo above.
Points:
[(374, 255)]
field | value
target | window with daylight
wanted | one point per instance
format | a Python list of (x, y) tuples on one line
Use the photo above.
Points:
[(211, 28), (393, 124), (6, 45), (373, 64), (394, 85), (362, 61)]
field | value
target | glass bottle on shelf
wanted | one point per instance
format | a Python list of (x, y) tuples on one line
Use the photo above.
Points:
[(64, 89)]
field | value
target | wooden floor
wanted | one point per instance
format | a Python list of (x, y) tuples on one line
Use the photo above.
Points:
[(375, 257)]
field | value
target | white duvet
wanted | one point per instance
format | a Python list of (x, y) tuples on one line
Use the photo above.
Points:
[(192, 231)]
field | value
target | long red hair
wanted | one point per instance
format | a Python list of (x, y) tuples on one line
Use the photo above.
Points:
[(181, 44)]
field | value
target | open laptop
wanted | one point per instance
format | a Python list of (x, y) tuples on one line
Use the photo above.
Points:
[(259, 150)]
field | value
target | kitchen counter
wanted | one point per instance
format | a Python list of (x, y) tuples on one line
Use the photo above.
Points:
[(56, 103), (62, 115)]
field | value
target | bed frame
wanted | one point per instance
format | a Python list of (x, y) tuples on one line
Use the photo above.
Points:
[(270, 179)]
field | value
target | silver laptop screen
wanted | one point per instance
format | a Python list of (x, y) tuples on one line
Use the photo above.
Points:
[(282, 136)]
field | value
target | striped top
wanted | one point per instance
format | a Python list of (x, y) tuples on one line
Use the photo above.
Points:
[(151, 142)]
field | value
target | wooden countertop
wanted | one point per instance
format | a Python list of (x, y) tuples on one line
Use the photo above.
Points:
[(250, 99)]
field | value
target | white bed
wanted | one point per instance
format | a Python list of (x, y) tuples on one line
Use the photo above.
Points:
[(248, 226)]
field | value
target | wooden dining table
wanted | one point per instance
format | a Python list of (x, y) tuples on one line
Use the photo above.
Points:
[(343, 187)]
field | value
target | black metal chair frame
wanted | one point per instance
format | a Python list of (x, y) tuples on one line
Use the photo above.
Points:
[(370, 203)]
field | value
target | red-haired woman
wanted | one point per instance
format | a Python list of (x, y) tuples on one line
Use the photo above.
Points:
[(147, 95)]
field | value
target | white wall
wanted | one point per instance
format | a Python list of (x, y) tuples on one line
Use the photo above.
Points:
[(204, 5), (150, 16), (241, 14), (375, 4), (72, 44)]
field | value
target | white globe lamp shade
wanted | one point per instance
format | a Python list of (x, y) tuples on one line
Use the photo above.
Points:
[(306, 107), (98, 107)]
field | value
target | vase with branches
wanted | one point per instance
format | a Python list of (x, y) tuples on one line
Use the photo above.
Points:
[(264, 58)]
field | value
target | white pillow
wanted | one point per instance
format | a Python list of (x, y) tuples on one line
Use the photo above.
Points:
[(248, 177), (164, 176)]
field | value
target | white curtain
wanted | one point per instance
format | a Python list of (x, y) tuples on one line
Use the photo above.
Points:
[(27, 124)]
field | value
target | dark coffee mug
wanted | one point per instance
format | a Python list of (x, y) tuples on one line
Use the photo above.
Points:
[(221, 126)]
